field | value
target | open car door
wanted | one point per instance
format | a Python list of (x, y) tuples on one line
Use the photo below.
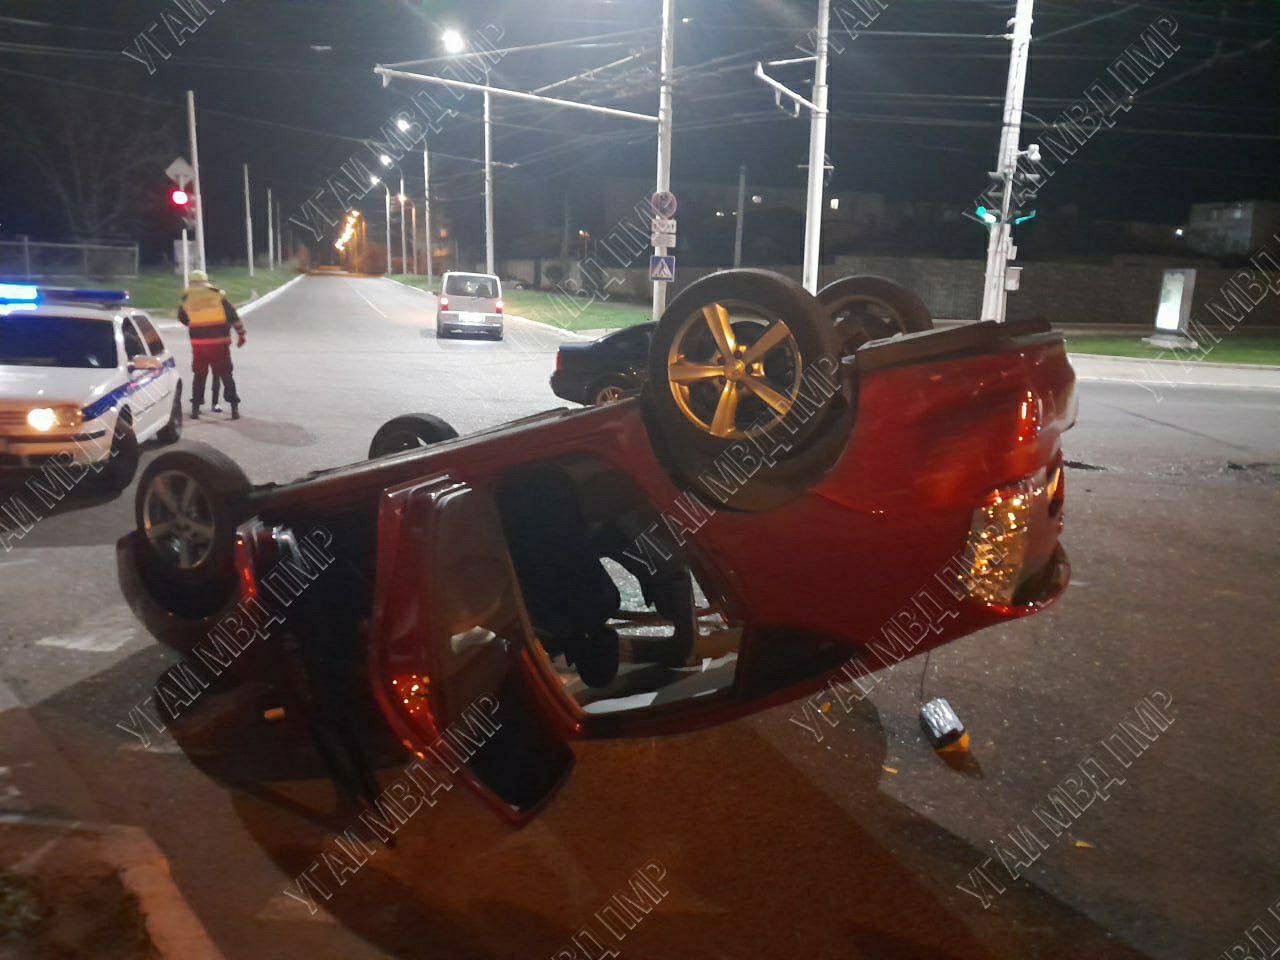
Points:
[(452, 656)]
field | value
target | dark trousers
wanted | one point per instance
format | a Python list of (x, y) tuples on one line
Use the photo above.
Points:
[(215, 357)]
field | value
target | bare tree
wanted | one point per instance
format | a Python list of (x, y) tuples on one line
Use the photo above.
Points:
[(98, 153)]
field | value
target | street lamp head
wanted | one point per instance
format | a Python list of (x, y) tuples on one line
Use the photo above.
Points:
[(453, 41), (375, 180), (385, 160), (403, 125)]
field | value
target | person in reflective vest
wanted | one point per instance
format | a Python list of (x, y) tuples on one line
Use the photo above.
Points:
[(209, 316)]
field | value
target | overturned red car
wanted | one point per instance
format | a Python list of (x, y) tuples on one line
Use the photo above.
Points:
[(804, 480)]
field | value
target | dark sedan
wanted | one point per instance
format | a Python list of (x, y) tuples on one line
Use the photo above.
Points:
[(603, 370)]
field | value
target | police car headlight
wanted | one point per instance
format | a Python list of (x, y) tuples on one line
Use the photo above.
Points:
[(45, 419)]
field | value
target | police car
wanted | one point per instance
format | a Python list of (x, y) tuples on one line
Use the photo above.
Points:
[(84, 381)]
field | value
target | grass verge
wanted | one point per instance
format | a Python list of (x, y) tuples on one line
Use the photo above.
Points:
[(161, 289), (1264, 349)]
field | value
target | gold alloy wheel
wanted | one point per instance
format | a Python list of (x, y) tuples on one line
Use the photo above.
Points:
[(178, 519), (733, 375)]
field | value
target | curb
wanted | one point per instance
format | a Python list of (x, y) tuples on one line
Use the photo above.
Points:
[(1171, 374), (171, 319), (172, 926), (268, 297), (1206, 365)]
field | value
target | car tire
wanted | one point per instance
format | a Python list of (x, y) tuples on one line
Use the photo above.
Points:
[(172, 431), (122, 464), (684, 415), (872, 308), (410, 432), (187, 491), (608, 390)]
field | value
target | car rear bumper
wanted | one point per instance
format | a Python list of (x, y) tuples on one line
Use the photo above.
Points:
[(568, 388), (463, 323)]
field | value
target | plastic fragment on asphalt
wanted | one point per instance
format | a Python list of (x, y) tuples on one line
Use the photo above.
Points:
[(888, 769), (273, 715), (1085, 844)]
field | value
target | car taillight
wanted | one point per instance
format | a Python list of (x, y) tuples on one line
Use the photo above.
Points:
[(498, 307), (998, 537), (444, 303), (559, 361)]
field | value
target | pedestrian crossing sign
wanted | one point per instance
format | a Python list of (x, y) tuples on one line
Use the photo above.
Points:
[(662, 269)]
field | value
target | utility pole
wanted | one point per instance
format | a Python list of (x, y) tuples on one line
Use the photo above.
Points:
[(404, 253), (426, 211), (416, 271), (817, 152), (564, 234), (248, 219), (488, 176), (279, 236), (1000, 248), (195, 165), (742, 216), (664, 133), (271, 233), (388, 189), (663, 121)]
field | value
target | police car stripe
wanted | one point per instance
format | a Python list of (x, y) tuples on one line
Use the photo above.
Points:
[(109, 400)]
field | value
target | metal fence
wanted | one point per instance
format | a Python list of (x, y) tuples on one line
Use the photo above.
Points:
[(33, 260)]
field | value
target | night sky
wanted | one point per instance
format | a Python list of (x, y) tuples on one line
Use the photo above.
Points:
[(287, 87)]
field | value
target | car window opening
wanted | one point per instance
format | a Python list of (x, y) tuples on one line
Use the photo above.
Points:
[(620, 637)]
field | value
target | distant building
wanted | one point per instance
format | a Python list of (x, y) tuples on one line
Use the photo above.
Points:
[(1231, 229)]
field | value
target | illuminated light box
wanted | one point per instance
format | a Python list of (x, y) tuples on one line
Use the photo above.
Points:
[(1174, 312)]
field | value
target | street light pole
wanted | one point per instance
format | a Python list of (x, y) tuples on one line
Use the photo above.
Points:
[(404, 253), (414, 208), (742, 216), (426, 210), (1000, 248), (271, 233), (664, 134), (388, 189), (817, 152), (195, 165), (248, 219), (488, 177)]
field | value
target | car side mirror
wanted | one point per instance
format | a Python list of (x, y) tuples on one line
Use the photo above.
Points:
[(150, 364)]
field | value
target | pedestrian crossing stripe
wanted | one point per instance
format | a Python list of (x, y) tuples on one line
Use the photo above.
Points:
[(662, 269)]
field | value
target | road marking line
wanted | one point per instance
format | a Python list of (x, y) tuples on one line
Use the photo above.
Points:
[(97, 634), (372, 306), (86, 643)]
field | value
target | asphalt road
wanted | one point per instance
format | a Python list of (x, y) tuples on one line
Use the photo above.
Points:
[(775, 844)]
